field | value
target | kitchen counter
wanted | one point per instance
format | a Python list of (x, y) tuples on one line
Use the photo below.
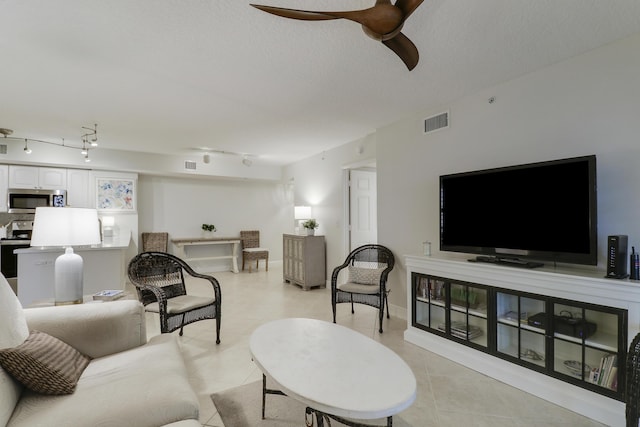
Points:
[(104, 268), (116, 242)]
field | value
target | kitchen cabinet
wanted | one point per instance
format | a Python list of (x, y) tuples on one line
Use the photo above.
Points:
[(304, 260), (37, 177), (78, 188), (4, 186)]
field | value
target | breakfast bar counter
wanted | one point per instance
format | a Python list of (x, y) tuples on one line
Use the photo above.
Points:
[(104, 268)]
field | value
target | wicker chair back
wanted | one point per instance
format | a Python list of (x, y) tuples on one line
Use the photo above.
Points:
[(250, 239), (155, 242)]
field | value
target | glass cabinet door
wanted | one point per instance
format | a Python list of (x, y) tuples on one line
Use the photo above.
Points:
[(468, 313), (429, 300), (521, 328), (586, 343)]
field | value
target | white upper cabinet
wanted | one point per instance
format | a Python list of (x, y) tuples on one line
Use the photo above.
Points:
[(37, 177), (78, 188)]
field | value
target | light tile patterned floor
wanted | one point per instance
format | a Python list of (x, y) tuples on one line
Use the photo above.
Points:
[(449, 395)]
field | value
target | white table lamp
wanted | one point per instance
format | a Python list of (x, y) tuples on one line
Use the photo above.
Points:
[(66, 227)]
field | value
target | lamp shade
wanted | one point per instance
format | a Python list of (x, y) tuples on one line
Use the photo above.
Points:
[(65, 227), (302, 212)]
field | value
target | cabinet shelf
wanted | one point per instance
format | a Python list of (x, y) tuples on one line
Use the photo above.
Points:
[(599, 340), (471, 312), (521, 325)]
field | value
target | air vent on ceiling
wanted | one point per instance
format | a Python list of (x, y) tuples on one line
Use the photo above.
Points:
[(189, 164), (3, 148), (437, 122)]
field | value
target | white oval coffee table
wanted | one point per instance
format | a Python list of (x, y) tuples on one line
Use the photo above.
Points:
[(332, 369)]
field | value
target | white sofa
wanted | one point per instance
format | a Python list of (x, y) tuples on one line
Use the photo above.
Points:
[(129, 381)]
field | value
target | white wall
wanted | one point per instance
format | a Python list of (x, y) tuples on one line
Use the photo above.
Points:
[(585, 105), (180, 206), (318, 182)]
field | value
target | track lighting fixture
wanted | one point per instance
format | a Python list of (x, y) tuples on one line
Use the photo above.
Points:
[(247, 158), (89, 139)]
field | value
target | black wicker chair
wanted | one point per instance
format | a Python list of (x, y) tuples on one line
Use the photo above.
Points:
[(368, 266), (632, 383), (159, 281)]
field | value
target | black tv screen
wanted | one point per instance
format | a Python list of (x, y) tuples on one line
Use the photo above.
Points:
[(541, 211)]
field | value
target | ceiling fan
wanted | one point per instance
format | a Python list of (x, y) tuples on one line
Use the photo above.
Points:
[(382, 22)]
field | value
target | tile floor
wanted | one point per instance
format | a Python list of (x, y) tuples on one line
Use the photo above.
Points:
[(448, 394)]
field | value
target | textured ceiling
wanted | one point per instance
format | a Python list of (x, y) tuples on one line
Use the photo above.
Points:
[(170, 76)]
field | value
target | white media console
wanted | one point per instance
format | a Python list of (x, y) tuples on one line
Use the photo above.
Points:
[(613, 304)]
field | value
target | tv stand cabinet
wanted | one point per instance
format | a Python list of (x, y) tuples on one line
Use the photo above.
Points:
[(505, 322)]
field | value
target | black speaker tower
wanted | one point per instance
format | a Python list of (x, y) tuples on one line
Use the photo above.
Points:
[(617, 257)]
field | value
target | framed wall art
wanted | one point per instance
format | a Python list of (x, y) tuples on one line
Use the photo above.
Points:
[(116, 194)]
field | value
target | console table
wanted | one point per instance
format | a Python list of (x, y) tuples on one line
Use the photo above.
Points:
[(233, 242), (478, 315)]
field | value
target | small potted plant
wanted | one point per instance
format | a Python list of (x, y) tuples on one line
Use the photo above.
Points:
[(208, 229), (310, 225)]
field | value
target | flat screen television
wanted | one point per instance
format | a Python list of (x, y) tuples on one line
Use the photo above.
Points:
[(540, 211)]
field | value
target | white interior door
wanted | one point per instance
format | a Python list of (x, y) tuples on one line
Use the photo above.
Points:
[(363, 200)]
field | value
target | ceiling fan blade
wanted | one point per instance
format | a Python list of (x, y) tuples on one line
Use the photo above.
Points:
[(380, 21), (405, 49), (304, 15), (408, 6)]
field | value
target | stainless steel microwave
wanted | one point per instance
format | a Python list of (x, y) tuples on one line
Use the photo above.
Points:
[(21, 200)]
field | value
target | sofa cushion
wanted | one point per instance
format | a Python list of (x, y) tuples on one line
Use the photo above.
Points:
[(358, 288), (144, 386), (13, 331), (44, 364), (181, 303)]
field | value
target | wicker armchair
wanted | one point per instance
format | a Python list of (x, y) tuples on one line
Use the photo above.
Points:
[(632, 383), (159, 281), (155, 242), (251, 249), (368, 266)]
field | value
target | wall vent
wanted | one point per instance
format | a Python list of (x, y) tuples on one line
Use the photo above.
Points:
[(190, 164), (3, 148), (437, 122)]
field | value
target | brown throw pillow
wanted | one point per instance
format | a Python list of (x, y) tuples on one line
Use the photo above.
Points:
[(44, 364)]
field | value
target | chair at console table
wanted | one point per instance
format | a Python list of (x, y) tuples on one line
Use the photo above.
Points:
[(234, 242)]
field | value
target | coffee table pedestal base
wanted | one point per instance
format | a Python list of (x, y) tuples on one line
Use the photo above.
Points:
[(310, 412)]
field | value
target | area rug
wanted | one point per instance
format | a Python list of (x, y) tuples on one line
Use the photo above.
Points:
[(242, 407)]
